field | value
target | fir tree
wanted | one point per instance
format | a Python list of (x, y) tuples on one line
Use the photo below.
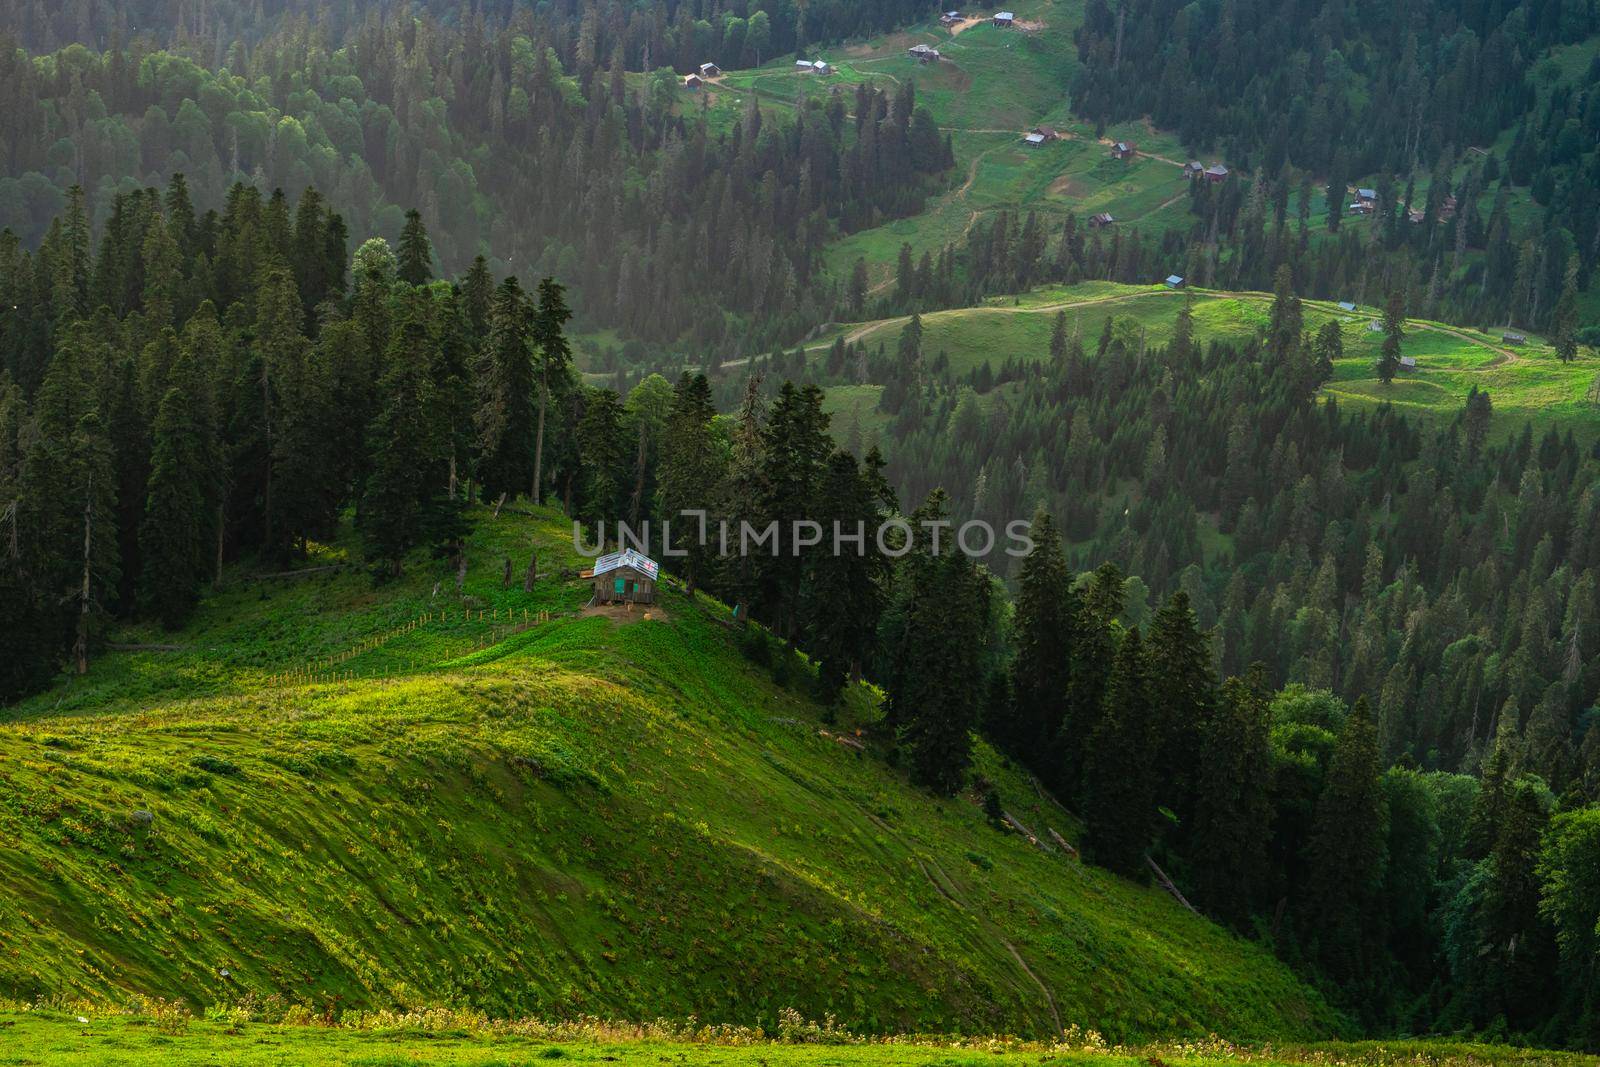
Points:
[(1394, 319), (1119, 786), (554, 364), (414, 258), (175, 536), (1233, 803), (1347, 853), (1045, 620), (408, 447), (505, 388)]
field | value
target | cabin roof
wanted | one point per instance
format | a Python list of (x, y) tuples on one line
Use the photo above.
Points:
[(626, 558)]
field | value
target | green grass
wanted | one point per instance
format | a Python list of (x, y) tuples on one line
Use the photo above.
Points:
[(626, 819), (56, 1037), (1528, 384)]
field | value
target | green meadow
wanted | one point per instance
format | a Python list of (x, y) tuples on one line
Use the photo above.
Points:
[(621, 815), (55, 1037), (1527, 383)]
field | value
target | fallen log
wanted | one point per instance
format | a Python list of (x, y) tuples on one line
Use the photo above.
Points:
[(1016, 824), (1064, 844), (1166, 883), (301, 573)]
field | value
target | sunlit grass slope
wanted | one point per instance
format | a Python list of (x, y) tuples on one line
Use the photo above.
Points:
[(56, 1037), (620, 817)]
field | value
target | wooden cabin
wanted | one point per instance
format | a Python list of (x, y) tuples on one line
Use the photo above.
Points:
[(1003, 18), (625, 577), (710, 70), (1123, 150), (692, 81)]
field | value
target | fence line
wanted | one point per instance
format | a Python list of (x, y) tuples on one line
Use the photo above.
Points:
[(330, 669)]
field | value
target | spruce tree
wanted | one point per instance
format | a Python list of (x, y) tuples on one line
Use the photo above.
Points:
[(1044, 624), (414, 257), (554, 357), (839, 594), (175, 536), (939, 679), (1184, 688), (505, 388), (1394, 319), (408, 448), (691, 468), (1119, 786), (1346, 854), (1233, 803)]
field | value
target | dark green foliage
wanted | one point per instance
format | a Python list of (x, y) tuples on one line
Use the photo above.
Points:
[(1233, 789), (408, 446), (1347, 855), (414, 256), (1119, 778), (177, 533), (937, 662), (1046, 620), (504, 418)]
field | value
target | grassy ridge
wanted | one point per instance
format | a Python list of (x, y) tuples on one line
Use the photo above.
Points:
[(1527, 383), (615, 817)]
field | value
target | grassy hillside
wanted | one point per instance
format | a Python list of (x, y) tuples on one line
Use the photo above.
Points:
[(57, 1037), (619, 816), (1526, 382), (991, 86)]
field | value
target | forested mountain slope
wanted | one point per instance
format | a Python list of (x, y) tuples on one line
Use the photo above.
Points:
[(620, 816)]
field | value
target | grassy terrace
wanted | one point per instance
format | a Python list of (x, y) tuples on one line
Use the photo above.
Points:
[(1526, 382)]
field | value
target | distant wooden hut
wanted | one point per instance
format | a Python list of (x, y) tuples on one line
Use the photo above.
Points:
[(624, 577), (1123, 150), (1514, 338), (1033, 140), (1003, 18), (710, 70), (1216, 173), (1174, 281), (1408, 362), (950, 18), (692, 81), (923, 53), (1102, 220)]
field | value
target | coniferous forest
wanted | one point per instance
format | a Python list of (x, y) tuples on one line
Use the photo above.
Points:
[(273, 275)]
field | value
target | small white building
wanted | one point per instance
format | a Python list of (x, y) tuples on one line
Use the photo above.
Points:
[(1003, 18)]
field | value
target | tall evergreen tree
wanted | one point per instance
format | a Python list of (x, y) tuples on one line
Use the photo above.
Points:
[(1233, 803), (1045, 621), (554, 364), (414, 257), (505, 388), (176, 534), (1347, 854), (1119, 784)]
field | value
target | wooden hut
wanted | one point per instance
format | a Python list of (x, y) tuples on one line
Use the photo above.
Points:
[(626, 577)]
